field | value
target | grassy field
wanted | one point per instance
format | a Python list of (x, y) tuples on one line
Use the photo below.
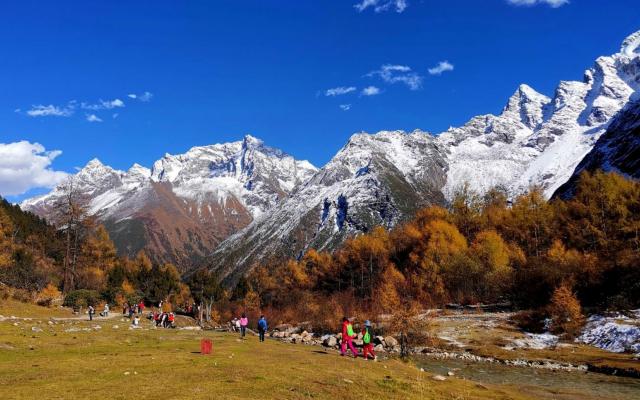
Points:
[(74, 359)]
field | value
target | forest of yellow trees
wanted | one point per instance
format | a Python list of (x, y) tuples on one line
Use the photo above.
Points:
[(583, 251)]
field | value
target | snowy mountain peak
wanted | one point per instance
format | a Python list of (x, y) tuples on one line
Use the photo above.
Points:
[(251, 141), (138, 170), (527, 106), (631, 45), (94, 163)]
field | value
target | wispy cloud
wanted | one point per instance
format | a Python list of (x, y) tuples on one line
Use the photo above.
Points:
[(370, 91), (93, 118), (144, 97), (25, 165), (443, 66), (103, 105), (391, 73), (381, 5), (339, 91), (51, 110), (345, 107), (551, 3)]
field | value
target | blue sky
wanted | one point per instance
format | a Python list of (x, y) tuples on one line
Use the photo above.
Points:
[(211, 71)]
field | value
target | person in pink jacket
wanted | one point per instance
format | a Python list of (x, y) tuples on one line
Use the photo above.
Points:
[(347, 338), (244, 322)]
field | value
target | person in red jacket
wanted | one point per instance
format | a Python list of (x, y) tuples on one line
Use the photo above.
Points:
[(347, 338), (367, 340)]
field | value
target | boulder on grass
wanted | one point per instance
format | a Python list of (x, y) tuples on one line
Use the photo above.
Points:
[(390, 341)]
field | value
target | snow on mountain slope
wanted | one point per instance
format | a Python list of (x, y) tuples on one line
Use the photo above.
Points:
[(373, 180), (189, 201), (537, 140), (618, 150)]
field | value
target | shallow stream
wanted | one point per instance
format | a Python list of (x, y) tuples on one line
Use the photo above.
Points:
[(544, 384)]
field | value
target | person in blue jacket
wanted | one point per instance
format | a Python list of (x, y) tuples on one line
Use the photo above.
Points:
[(262, 327)]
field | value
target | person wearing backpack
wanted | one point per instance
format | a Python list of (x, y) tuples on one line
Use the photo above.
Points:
[(262, 327), (367, 340), (347, 338)]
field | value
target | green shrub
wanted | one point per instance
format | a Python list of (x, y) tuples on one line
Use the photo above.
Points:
[(81, 298)]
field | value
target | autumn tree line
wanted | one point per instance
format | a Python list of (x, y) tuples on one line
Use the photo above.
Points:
[(559, 256)]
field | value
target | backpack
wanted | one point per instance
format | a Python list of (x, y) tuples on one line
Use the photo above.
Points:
[(349, 330), (367, 336)]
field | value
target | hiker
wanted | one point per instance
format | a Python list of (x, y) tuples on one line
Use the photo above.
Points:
[(136, 321), (130, 312), (125, 308), (262, 327), (91, 312), (105, 312), (367, 340), (163, 320), (236, 325), (244, 321), (141, 307), (170, 320), (347, 338)]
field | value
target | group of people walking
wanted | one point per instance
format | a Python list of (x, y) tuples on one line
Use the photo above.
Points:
[(164, 319), (241, 324), (348, 335), (130, 310)]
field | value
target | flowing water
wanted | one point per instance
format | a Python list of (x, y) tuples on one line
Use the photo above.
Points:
[(540, 383)]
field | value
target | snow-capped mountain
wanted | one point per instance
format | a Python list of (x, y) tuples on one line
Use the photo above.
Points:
[(381, 179), (540, 140), (186, 204), (373, 180)]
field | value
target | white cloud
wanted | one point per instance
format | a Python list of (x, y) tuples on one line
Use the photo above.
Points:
[(51, 110), (114, 115), (381, 5), (442, 66), (25, 165), (145, 97), (339, 91), (391, 73), (345, 107), (104, 105), (370, 91), (93, 118), (551, 3)]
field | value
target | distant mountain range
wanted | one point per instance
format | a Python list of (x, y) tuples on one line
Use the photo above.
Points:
[(231, 205)]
